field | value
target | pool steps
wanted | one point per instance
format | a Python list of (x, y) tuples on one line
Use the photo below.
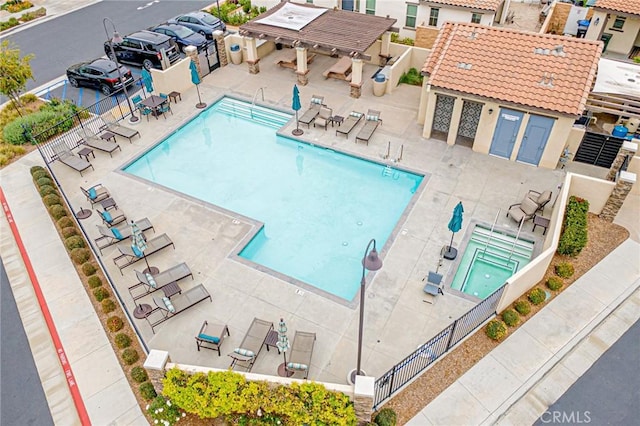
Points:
[(503, 243), (245, 110)]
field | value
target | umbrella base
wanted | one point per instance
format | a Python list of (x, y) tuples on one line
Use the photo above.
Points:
[(450, 253), (83, 214), (141, 311), (351, 377), (200, 105), (297, 132), (283, 372), (151, 270)]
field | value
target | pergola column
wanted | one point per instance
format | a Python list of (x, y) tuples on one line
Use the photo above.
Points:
[(384, 48), (301, 68), (252, 55), (356, 78)]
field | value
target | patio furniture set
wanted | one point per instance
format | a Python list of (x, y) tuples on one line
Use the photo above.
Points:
[(527, 209), (155, 105)]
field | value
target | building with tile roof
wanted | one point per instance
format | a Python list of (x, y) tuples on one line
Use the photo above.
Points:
[(504, 92), (617, 24)]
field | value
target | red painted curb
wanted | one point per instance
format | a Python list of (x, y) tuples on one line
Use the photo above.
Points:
[(62, 356)]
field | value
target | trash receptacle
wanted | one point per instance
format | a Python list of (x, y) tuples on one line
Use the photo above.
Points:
[(379, 84), (236, 54)]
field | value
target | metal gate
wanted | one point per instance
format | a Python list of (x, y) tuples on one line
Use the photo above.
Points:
[(598, 149), (469, 119), (209, 58), (443, 113)]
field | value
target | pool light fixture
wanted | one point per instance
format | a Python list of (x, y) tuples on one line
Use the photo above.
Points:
[(117, 38), (370, 262)]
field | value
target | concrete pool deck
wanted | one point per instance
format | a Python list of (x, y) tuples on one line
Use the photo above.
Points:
[(397, 320)]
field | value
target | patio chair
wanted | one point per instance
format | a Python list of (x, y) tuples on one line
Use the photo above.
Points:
[(110, 236), (340, 70), (136, 100), (129, 257), (96, 193), (323, 117), (540, 198), (94, 141), (63, 154), (433, 287), (349, 123), (522, 211), (211, 336), (317, 102), (112, 218), (168, 308), (149, 283), (246, 354), (301, 352), (111, 125), (371, 124)]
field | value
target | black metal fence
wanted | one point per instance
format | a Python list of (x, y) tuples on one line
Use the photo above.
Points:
[(403, 372)]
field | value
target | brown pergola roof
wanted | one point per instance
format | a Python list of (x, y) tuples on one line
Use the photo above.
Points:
[(335, 31)]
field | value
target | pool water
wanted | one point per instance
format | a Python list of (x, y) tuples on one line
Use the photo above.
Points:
[(319, 207), (486, 267)]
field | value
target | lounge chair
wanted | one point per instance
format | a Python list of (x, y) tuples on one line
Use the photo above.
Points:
[(96, 193), (66, 157), (211, 336), (128, 257), (371, 124), (246, 354), (523, 211), (94, 141), (349, 123), (149, 283), (111, 125), (340, 70), (433, 287), (110, 236), (540, 198), (167, 308), (301, 352), (112, 218), (323, 117), (317, 102)]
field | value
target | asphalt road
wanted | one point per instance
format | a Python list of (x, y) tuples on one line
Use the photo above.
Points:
[(22, 399)]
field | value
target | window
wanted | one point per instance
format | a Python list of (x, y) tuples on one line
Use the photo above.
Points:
[(412, 13), (476, 18), (619, 22), (310, 1), (433, 17), (371, 7)]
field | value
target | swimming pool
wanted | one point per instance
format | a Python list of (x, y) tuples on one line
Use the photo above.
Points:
[(319, 207), (486, 267)]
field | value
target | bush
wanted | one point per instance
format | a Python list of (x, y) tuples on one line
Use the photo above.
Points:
[(100, 293), (57, 211), (44, 181), (386, 417), (94, 281), (522, 307), (161, 410), (74, 242), (122, 340), (30, 16), (12, 22), (52, 115), (39, 173), (130, 356), (537, 296), (554, 283), (88, 269), (69, 231), (139, 374), (574, 228), (412, 77), (496, 330), (510, 317), (14, 6), (51, 199), (65, 222), (564, 269), (147, 391), (108, 305), (114, 323), (46, 190), (80, 255)]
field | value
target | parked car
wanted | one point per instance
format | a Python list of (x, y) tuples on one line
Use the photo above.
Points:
[(183, 36), (200, 22), (143, 48), (99, 73)]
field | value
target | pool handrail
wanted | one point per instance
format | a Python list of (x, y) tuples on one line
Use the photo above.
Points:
[(484, 251), (513, 247)]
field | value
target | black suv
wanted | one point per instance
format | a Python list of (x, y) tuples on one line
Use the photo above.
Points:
[(143, 48)]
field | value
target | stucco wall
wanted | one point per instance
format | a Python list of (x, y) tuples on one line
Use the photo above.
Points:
[(596, 191), (622, 42), (177, 77)]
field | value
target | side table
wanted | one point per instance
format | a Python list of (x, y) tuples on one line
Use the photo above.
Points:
[(174, 96), (540, 221), (85, 152), (171, 289), (107, 136), (108, 203), (272, 340), (336, 119)]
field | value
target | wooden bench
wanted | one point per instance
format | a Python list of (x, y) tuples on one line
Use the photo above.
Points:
[(341, 70), (290, 60)]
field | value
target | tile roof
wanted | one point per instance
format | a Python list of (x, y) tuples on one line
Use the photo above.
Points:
[(536, 70), (631, 7), (471, 4)]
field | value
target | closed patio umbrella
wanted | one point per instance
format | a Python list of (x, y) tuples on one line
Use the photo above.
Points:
[(283, 346), (455, 224), (139, 245), (147, 80), (195, 79), (295, 105)]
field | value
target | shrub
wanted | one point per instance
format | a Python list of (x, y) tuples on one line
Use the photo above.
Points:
[(496, 329), (510, 317), (522, 307), (564, 269), (14, 6), (44, 181), (69, 231), (114, 323), (94, 281), (39, 173), (30, 16), (57, 211), (130, 356), (554, 283), (74, 242), (147, 391), (537, 296), (52, 115), (122, 340), (139, 374), (80, 255), (51, 199), (65, 222), (46, 190), (35, 169), (88, 269), (412, 77), (574, 232), (12, 22), (386, 417), (100, 293), (161, 410), (108, 305)]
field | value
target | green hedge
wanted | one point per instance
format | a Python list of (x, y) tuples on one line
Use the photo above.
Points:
[(55, 113), (574, 233)]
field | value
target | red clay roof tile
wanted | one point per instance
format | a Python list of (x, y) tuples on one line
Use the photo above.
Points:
[(471, 4), (625, 6)]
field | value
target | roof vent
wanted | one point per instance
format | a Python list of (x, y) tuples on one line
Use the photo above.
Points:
[(547, 80), (473, 35), (558, 50), (464, 66), (538, 51)]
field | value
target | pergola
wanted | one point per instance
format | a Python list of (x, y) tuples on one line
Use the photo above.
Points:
[(331, 31)]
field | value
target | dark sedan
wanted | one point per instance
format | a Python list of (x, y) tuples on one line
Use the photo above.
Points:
[(99, 73), (201, 22), (183, 36)]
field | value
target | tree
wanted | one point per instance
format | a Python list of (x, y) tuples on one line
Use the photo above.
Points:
[(14, 72)]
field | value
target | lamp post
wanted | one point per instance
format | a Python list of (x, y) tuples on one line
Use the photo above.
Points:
[(370, 262), (118, 38)]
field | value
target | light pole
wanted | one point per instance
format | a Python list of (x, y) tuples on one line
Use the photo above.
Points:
[(118, 38), (370, 262)]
